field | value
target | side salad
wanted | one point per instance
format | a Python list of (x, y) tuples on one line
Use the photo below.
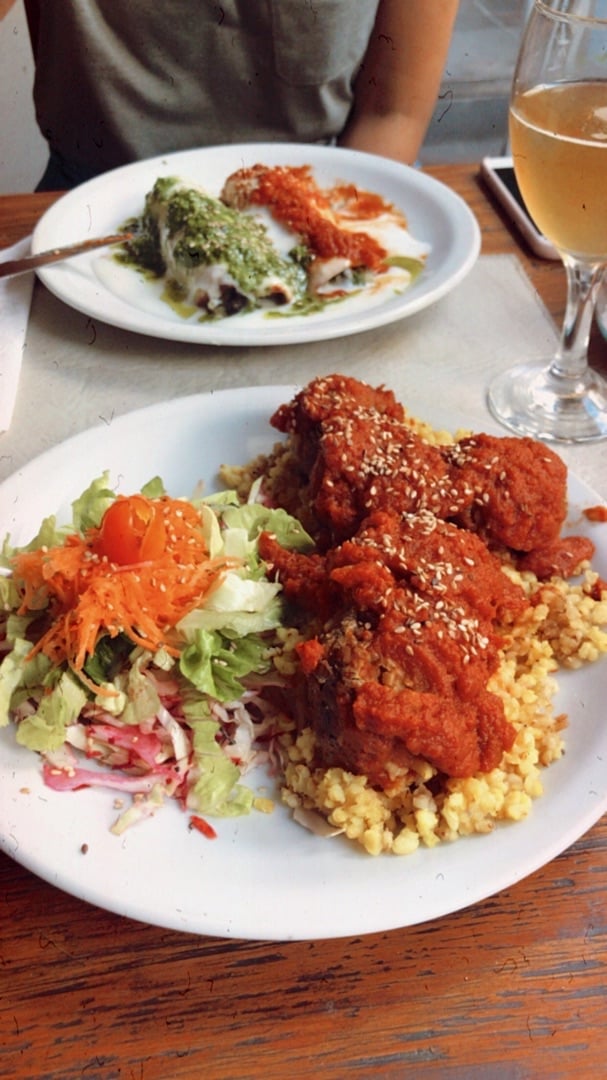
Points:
[(140, 647)]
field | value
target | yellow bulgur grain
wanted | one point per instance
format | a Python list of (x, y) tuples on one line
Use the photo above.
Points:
[(405, 842), (564, 629)]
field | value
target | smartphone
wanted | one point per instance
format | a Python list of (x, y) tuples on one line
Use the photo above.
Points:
[(498, 174)]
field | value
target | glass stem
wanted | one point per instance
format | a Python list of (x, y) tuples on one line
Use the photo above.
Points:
[(583, 280)]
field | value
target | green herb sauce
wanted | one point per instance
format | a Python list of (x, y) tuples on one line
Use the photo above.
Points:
[(202, 231)]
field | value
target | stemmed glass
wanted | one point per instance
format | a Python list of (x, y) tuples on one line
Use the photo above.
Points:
[(558, 135)]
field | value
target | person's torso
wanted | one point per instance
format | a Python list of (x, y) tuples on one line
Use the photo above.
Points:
[(119, 82)]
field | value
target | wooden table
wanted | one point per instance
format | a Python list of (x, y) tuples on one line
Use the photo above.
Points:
[(512, 988)]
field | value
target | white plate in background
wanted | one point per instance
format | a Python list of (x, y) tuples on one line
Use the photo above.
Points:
[(97, 285)]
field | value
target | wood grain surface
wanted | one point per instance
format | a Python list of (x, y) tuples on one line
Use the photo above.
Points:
[(514, 987)]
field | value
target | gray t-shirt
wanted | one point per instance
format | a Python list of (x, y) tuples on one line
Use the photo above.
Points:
[(121, 80)]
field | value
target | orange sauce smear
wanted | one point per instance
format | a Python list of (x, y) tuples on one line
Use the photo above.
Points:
[(305, 209)]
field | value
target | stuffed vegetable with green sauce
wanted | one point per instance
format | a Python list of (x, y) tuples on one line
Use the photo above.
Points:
[(211, 256)]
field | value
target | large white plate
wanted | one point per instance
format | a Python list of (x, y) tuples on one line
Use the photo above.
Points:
[(264, 876), (95, 284)]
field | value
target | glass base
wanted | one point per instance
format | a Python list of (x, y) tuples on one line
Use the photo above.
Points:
[(531, 400)]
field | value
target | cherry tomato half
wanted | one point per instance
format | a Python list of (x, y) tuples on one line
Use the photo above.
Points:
[(132, 531)]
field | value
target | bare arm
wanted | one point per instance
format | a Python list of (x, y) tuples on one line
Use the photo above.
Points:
[(5, 7), (397, 87)]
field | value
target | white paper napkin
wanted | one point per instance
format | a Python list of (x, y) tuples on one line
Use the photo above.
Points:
[(15, 300)]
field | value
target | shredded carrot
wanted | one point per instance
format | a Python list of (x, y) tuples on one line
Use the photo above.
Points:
[(82, 596), (202, 826)]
